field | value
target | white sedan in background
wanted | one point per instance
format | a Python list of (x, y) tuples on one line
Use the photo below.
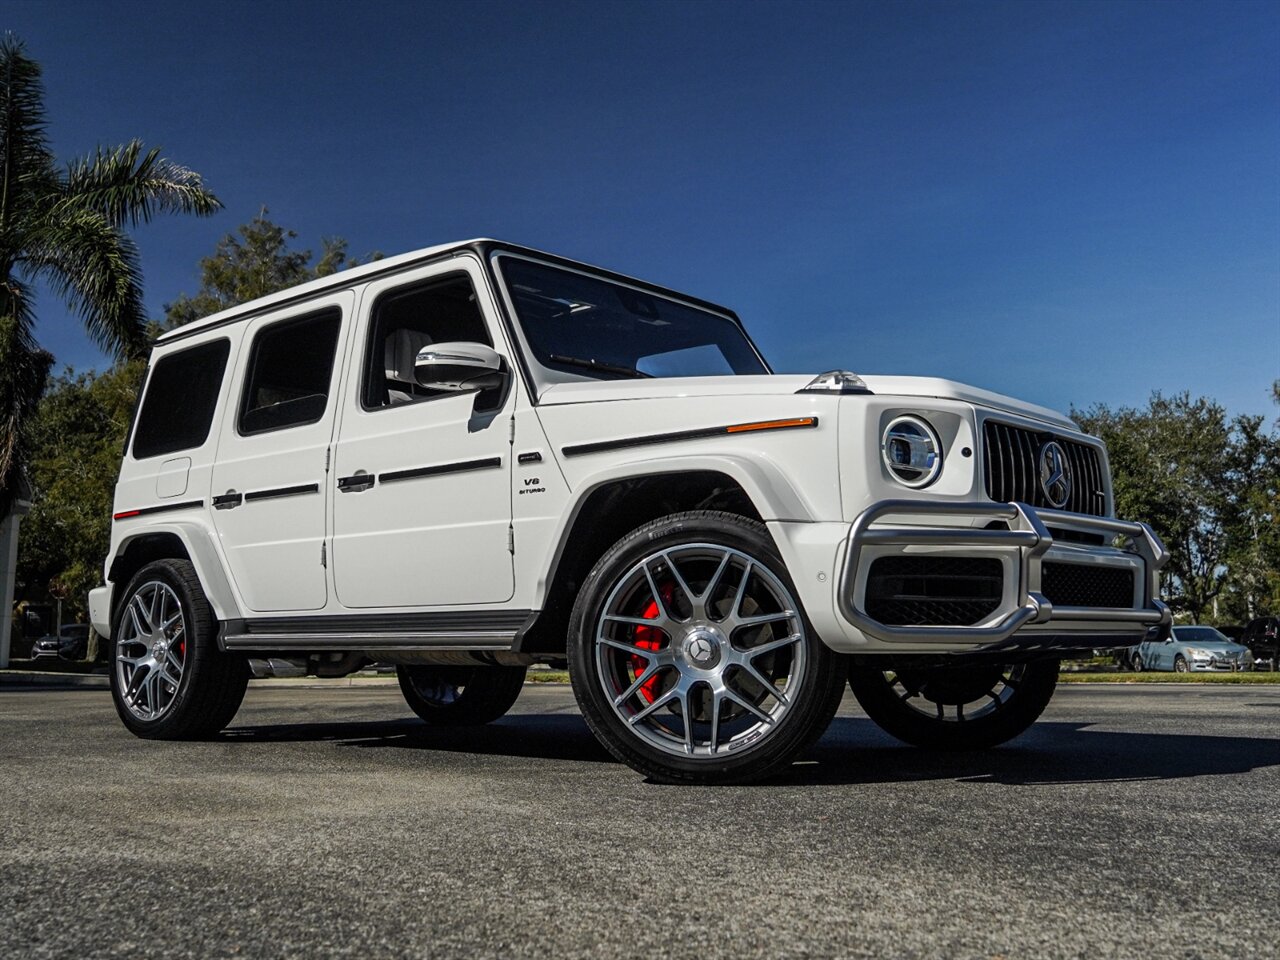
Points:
[(1192, 649)]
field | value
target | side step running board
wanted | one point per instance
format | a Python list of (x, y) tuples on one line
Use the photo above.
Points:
[(484, 630)]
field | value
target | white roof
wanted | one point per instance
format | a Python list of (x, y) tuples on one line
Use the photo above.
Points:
[(343, 278)]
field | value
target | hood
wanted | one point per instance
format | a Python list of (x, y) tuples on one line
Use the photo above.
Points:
[(598, 391)]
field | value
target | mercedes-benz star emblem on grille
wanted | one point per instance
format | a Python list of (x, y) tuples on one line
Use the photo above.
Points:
[(1055, 474)]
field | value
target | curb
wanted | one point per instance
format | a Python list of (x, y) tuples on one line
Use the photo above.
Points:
[(53, 681)]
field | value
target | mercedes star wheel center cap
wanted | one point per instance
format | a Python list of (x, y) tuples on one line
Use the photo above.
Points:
[(702, 648)]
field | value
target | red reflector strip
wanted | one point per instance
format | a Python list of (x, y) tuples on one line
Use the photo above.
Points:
[(158, 508), (772, 425)]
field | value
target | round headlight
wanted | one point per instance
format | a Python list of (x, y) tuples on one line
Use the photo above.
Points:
[(911, 451)]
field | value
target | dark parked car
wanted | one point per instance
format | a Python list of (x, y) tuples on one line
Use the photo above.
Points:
[(1262, 637), (72, 643)]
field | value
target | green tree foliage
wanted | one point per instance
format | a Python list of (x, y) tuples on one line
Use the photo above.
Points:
[(253, 262), (65, 227), (78, 429), (76, 438), (1208, 485)]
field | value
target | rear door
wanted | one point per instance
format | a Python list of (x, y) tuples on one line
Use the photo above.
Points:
[(269, 482), (422, 478)]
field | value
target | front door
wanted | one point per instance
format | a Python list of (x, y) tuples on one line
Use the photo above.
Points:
[(269, 481), (422, 478)]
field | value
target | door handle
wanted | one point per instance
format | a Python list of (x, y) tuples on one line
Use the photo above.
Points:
[(225, 501), (356, 482)]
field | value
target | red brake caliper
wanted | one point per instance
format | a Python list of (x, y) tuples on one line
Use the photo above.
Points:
[(649, 638)]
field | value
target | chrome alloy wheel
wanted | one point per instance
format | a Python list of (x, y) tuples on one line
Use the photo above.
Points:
[(151, 652), (437, 690), (958, 694), (700, 650)]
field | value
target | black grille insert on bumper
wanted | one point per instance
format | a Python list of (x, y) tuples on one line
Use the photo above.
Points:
[(1086, 585), (1011, 458), (933, 591)]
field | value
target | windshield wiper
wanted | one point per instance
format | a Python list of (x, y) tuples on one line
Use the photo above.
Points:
[(599, 365)]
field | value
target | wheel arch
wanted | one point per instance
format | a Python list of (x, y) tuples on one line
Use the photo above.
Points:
[(616, 500), (179, 541)]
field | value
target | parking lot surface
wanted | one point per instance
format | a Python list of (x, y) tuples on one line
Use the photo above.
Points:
[(330, 822)]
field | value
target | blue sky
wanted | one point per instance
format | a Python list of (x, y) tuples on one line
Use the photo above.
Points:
[(1066, 202)]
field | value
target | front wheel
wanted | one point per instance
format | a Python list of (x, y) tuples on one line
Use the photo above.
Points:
[(691, 658), (955, 708), (1180, 664), (460, 696), (1137, 664)]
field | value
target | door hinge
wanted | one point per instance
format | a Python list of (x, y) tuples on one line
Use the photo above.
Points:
[(511, 539), (324, 555), (327, 451), (511, 430)]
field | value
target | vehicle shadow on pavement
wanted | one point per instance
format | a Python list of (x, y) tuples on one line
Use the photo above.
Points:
[(544, 736), (853, 750)]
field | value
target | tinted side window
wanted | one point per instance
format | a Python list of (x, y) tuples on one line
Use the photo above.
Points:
[(290, 366), (182, 392), (405, 321)]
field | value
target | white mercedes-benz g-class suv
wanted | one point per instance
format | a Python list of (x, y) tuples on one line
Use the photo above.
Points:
[(478, 457)]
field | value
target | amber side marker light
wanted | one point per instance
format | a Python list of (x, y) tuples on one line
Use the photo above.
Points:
[(772, 425)]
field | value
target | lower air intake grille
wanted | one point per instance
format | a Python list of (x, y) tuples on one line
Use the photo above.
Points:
[(1081, 585), (933, 591)]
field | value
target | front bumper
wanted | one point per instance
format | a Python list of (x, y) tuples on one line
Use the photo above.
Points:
[(1019, 536), (1215, 665)]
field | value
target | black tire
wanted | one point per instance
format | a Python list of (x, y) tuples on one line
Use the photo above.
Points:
[(1180, 664), (1137, 663), (1023, 693), (212, 683), (812, 675), (460, 696)]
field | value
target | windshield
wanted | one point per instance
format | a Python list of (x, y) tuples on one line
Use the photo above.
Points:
[(581, 326), (1199, 635)]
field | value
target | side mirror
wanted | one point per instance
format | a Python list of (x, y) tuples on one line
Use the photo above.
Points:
[(461, 366)]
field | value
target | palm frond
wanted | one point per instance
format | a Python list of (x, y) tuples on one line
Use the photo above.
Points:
[(94, 267), (129, 185), (24, 367), (24, 147)]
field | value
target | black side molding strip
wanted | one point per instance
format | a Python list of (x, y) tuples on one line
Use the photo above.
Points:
[(282, 492), (438, 469), (600, 446), (161, 508)]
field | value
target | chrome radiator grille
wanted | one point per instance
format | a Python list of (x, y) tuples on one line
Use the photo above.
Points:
[(1012, 469)]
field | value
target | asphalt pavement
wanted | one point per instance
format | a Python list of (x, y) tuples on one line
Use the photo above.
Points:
[(1131, 821)]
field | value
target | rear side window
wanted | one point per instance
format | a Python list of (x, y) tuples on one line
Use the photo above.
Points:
[(182, 393), (287, 383)]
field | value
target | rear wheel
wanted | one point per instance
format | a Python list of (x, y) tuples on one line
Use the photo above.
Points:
[(169, 680), (691, 658), (460, 696), (1137, 664), (956, 708)]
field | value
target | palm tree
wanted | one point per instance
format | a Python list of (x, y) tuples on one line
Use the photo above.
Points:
[(66, 227)]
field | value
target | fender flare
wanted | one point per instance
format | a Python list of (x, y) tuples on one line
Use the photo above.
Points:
[(763, 481), (197, 539)]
